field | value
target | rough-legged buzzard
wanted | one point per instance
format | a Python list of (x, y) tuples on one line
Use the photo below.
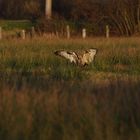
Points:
[(80, 59)]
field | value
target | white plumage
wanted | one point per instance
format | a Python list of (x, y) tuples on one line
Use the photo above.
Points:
[(80, 59)]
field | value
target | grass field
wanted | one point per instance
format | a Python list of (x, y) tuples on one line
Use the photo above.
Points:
[(44, 97)]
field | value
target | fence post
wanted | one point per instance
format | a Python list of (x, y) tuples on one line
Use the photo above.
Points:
[(32, 31), (23, 34), (107, 31), (84, 34), (57, 34), (68, 31), (0, 33)]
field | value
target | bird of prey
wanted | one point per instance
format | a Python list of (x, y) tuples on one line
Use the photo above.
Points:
[(79, 59)]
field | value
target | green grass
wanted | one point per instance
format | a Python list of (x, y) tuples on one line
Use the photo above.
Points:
[(15, 24), (38, 55), (44, 97)]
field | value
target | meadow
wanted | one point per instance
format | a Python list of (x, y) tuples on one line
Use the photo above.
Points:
[(44, 97)]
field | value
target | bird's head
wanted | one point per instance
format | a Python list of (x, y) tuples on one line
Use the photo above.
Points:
[(93, 50)]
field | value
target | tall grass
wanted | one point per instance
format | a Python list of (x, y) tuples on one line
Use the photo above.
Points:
[(44, 97), (71, 110)]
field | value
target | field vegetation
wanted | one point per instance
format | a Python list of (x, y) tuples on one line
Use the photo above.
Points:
[(44, 97)]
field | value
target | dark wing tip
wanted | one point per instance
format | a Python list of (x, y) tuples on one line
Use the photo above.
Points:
[(56, 52)]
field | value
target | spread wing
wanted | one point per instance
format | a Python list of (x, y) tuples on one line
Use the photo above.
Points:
[(88, 56), (71, 56)]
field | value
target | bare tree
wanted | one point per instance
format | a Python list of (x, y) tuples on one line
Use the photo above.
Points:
[(125, 15), (31, 9)]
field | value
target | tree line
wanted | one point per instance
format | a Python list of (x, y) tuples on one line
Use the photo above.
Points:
[(123, 16)]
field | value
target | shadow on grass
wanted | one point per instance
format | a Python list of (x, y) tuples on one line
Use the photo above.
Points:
[(38, 107)]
